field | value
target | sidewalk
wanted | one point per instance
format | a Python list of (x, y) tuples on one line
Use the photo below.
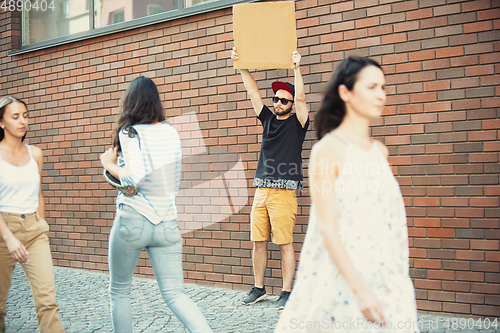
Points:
[(84, 301)]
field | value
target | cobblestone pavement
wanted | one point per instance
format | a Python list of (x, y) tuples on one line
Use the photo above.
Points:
[(84, 301)]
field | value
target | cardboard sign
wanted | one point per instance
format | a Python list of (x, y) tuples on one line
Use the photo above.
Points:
[(264, 34)]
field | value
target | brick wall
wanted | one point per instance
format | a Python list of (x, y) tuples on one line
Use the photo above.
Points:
[(441, 125)]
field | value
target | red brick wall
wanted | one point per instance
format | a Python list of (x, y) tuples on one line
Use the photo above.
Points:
[(441, 125)]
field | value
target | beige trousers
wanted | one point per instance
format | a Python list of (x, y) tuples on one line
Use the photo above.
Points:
[(32, 232)]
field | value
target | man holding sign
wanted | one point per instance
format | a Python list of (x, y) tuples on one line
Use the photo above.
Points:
[(278, 175)]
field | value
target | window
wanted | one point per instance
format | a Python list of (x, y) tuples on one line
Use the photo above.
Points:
[(59, 18), (155, 9), (63, 21), (117, 17), (189, 3), (64, 9), (108, 12)]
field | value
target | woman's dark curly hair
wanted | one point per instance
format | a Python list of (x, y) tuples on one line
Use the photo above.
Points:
[(140, 105), (4, 102), (332, 110)]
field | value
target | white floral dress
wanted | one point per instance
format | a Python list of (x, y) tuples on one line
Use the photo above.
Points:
[(372, 227)]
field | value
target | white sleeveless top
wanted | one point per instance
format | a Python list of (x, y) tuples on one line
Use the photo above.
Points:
[(19, 187)]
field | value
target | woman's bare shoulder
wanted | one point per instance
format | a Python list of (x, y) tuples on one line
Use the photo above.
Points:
[(331, 148), (382, 147), (36, 152)]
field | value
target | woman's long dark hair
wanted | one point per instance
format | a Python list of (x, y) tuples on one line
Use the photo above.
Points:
[(3, 105), (140, 105), (332, 110)]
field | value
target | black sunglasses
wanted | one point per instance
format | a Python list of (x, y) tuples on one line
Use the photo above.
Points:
[(284, 101)]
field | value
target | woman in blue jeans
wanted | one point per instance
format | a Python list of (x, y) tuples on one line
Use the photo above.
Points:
[(146, 160)]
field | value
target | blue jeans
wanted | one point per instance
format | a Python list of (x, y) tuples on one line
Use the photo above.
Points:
[(131, 232)]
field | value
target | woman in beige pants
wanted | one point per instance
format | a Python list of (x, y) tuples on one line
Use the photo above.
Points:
[(23, 229)]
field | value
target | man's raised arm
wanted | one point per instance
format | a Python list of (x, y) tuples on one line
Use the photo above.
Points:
[(250, 85), (300, 95)]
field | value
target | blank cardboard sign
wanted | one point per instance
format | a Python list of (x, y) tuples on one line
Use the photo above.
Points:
[(264, 34)]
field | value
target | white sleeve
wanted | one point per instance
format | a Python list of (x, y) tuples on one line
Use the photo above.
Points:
[(134, 170)]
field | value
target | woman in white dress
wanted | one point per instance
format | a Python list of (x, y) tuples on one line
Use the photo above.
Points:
[(353, 273)]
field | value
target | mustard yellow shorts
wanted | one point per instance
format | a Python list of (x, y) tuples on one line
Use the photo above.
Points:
[(273, 212)]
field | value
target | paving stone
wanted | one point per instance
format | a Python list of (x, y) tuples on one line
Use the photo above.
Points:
[(83, 298)]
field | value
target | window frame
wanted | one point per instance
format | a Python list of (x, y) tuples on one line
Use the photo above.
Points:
[(178, 13)]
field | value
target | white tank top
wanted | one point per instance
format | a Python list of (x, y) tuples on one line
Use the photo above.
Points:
[(19, 186)]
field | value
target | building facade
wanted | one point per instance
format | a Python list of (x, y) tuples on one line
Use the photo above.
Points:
[(441, 125)]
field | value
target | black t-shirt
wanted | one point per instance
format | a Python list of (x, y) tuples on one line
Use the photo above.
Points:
[(280, 160)]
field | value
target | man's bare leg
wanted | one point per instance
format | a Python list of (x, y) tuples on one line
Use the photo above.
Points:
[(259, 262), (287, 265)]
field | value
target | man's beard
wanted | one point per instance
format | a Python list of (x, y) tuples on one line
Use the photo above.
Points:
[(282, 112)]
